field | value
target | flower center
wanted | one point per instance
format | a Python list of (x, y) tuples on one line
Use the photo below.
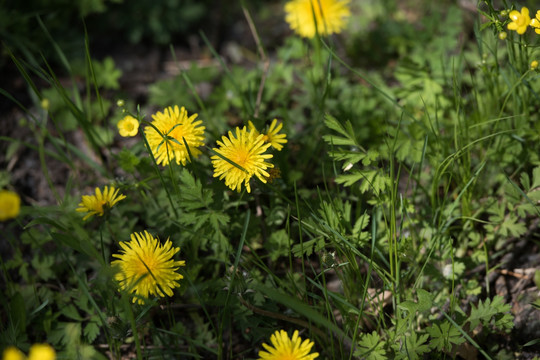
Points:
[(241, 157), (146, 263), (177, 133), (99, 206)]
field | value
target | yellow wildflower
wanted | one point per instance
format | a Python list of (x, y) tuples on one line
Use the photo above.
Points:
[(128, 126), (41, 352), (520, 21), (272, 136), (307, 17), (12, 353), (535, 23), (10, 205), (147, 267), (534, 64), (99, 203), (285, 348), (246, 150), (177, 130)]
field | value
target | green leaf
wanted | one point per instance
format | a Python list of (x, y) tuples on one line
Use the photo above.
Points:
[(349, 138), (443, 336), (371, 347), (91, 331), (411, 347), (536, 178), (307, 247), (494, 309)]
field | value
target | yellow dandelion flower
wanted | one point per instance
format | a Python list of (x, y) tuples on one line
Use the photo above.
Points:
[(177, 129), (12, 353), (306, 17), (272, 136), (245, 150), (520, 21), (41, 352), (535, 23), (99, 203), (534, 64), (10, 205), (146, 267), (285, 348), (128, 126)]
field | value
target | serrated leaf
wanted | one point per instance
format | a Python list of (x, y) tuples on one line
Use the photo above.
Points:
[(535, 178), (443, 336), (347, 131), (411, 347), (361, 223), (192, 195), (371, 347), (307, 247), (91, 331), (485, 311)]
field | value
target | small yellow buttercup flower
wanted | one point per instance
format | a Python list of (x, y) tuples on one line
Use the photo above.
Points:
[(284, 347), (37, 352), (534, 64), (12, 353), (272, 136), (128, 126), (520, 21), (177, 130), (10, 205), (242, 156), (45, 104), (535, 23), (146, 267), (97, 204), (41, 352), (308, 17)]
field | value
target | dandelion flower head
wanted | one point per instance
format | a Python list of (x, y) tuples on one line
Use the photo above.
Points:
[(41, 352), (247, 150), (307, 17), (10, 205), (128, 126), (285, 348), (97, 204), (176, 129), (520, 20), (272, 136), (146, 267), (535, 23)]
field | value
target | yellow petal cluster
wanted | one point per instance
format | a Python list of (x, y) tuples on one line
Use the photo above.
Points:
[(10, 205), (309, 17), (97, 204), (287, 348), (240, 157), (169, 134), (37, 352), (272, 135), (146, 267), (128, 126), (520, 20), (535, 23)]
